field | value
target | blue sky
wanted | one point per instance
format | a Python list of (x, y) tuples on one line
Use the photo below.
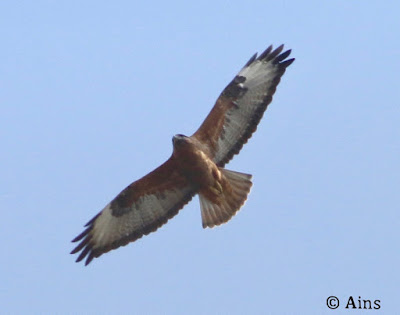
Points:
[(90, 96)]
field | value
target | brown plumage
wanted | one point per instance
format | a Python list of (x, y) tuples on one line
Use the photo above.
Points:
[(195, 166)]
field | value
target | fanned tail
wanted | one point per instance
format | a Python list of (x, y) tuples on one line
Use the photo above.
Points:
[(233, 196)]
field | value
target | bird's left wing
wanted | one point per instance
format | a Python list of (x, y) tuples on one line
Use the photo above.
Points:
[(241, 105), (141, 208)]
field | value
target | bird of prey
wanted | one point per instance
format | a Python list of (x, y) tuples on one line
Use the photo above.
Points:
[(196, 165)]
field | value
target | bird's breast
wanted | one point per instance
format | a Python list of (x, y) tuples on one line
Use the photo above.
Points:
[(197, 167)]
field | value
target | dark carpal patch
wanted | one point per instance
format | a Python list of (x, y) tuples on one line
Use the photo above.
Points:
[(121, 204), (235, 89), (161, 195)]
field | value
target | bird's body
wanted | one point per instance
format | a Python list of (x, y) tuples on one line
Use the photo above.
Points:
[(212, 183), (196, 166)]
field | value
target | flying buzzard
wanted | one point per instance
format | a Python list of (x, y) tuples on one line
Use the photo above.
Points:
[(195, 166)]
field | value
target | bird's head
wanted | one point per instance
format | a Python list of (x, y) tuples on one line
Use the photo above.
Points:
[(178, 140)]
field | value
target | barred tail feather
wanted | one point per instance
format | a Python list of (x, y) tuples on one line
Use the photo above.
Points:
[(231, 200)]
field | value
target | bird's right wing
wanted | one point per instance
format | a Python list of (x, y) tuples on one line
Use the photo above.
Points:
[(141, 208)]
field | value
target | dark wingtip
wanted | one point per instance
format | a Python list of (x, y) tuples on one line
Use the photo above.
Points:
[(287, 63), (92, 220), (76, 249), (84, 244), (89, 259), (274, 53), (87, 251), (83, 254), (82, 235), (276, 56), (283, 55), (265, 53)]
